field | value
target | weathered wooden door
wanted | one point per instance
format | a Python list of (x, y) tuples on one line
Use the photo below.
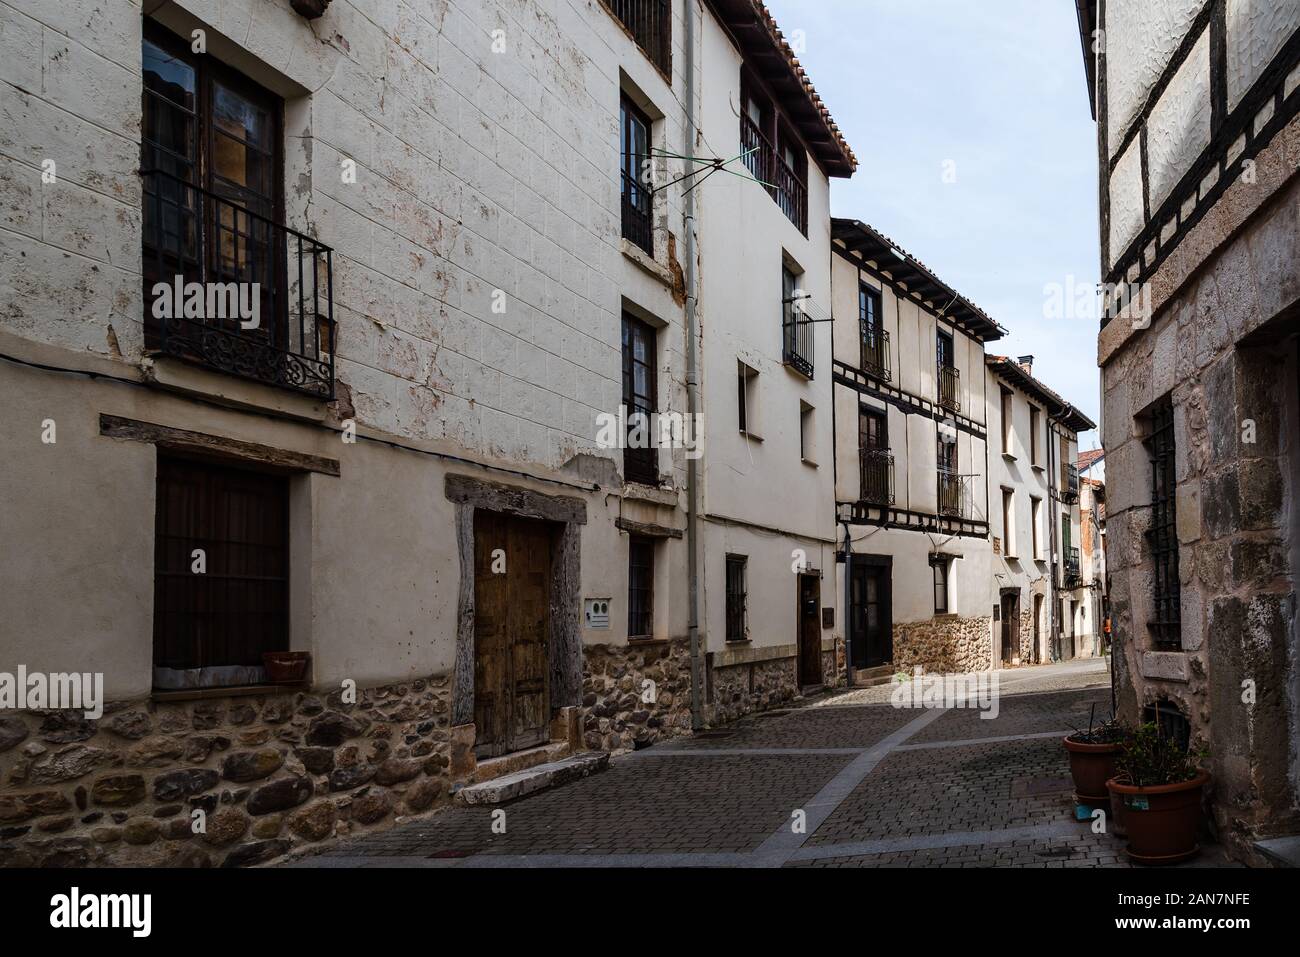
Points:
[(512, 575), (1010, 627), (810, 637)]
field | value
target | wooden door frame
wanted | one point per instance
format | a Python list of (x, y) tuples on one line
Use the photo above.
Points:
[(800, 579), (1008, 622), (564, 640)]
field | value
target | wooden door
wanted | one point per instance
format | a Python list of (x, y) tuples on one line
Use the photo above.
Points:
[(1010, 627), (871, 620), (512, 574), (810, 636)]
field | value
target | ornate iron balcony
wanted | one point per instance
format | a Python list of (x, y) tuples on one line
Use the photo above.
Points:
[(797, 341), (874, 358), (877, 476), (1070, 574), (237, 258), (782, 183), (950, 388), (950, 493), (1069, 484)]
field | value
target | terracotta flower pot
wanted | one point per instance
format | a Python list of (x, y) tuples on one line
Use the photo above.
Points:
[(1091, 766), (1162, 821), (1118, 825), (284, 667)]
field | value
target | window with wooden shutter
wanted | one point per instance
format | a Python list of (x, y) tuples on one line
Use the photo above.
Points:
[(221, 572)]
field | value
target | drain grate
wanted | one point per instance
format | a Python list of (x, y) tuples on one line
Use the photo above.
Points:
[(711, 735)]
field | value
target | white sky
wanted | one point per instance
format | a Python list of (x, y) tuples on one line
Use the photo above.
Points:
[(998, 88)]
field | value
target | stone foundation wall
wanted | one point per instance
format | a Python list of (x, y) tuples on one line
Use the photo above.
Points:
[(616, 714), (946, 644), (271, 773), (742, 689), (1218, 350), (1026, 637)]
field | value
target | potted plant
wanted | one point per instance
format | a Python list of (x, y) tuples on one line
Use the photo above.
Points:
[(285, 667), (1159, 785), (1092, 760)]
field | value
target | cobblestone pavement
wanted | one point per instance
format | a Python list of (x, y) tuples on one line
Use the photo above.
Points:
[(877, 786)]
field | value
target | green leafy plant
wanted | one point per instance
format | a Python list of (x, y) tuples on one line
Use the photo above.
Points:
[(1148, 758)]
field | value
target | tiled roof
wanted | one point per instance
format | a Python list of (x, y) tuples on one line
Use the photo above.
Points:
[(1090, 458), (758, 36)]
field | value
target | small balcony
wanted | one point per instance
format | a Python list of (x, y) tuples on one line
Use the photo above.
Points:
[(876, 467), (782, 183), (243, 295), (874, 358), (1071, 577), (638, 217), (949, 388), (950, 494), (1069, 484), (651, 24), (797, 341)]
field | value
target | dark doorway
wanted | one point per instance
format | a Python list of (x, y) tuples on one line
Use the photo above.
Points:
[(870, 614), (810, 635), (512, 588), (1010, 627)]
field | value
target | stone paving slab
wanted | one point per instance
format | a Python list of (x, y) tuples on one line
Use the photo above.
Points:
[(971, 788), (880, 786), (1028, 713), (807, 728), (705, 805)]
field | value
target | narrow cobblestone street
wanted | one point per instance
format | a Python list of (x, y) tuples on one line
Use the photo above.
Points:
[(880, 787)]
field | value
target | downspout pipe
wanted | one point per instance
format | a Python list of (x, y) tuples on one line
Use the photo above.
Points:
[(692, 381), (848, 607), (1053, 497)]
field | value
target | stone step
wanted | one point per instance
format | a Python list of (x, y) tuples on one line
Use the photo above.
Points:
[(499, 767), (529, 781), (870, 677)]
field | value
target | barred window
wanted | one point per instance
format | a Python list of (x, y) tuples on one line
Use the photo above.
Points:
[(218, 621), (736, 569), (1166, 628), (640, 587)]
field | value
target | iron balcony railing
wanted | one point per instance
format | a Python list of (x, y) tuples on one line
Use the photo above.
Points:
[(1071, 577), (1069, 484), (874, 359), (950, 493), (950, 388), (797, 340), (782, 183), (651, 24), (236, 256), (638, 220), (877, 473)]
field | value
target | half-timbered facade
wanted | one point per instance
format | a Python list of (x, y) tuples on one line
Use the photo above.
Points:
[(1197, 105), (911, 473)]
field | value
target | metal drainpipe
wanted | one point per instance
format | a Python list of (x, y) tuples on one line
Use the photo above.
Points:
[(692, 383), (1053, 517), (848, 607)]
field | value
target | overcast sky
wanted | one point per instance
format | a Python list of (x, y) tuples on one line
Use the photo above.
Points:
[(998, 89)]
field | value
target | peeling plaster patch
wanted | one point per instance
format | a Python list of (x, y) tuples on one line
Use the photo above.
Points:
[(1126, 215), (1140, 41), (1256, 30), (1179, 128)]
